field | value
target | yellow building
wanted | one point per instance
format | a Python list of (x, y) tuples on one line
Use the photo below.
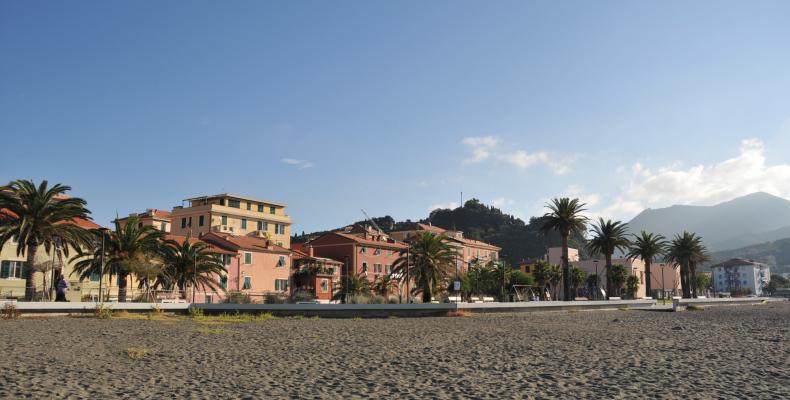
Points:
[(159, 219), (13, 270), (232, 214)]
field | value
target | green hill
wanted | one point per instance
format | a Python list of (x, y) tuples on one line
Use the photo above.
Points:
[(519, 240)]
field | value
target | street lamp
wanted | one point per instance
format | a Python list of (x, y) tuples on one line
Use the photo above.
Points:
[(597, 279)]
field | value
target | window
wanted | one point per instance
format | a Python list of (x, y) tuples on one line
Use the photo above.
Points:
[(249, 205), (222, 202), (247, 283), (201, 220), (247, 257), (272, 210), (163, 226), (263, 226), (234, 203), (260, 207), (281, 285), (376, 252), (280, 243), (226, 259), (377, 269), (13, 269), (183, 223), (244, 223), (224, 220), (281, 261), (223, 281), (324, 285), (364, 266), (364, 250), (388, 269), (279, 229), (190, 222)]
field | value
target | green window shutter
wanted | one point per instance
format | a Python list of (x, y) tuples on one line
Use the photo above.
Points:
[(223, 281), (244, 223), (5, 269), (247, 283), (224, 220), (248, 258), (24, 271)]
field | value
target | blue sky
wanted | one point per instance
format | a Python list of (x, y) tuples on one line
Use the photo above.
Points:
[(396, 107)]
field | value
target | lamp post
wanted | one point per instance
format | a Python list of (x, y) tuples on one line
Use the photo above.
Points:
[(101, 265), (597, 279)]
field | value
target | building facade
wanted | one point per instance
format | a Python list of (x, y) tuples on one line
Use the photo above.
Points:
[(740, 275), (470, 251), (234, 215), (262, 267), (318, 276), (362, 250), (159, 219)]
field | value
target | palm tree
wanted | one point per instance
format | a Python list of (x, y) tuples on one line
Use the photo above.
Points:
[(687, 250), (648, 247), (608, 236), (190, 263), (125, 248), (565, 217), (385, 285), (352, 285), (578, 277), (546, 275), (429, 260), (40, 216)]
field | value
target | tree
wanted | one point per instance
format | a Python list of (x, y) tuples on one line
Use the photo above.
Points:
[(127, 248), (190, 263), (617, 278), (352, 284), (577, 279), (704, 282), (385, 285), (429, 260), (608, 236), (648, 247), (40, 216), (687, 250), (546, 275), (565, 216), (632, 286)]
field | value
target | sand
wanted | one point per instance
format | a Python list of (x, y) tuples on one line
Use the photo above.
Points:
[(723, 352)]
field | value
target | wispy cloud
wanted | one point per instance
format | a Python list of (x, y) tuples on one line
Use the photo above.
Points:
[(299, 164), (481, 147), (487, 147)]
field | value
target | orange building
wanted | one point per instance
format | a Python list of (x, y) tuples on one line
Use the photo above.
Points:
[(470, 251), (159, 219), (316, 275)]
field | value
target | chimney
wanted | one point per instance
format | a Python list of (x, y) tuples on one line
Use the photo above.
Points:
[(310, 250)]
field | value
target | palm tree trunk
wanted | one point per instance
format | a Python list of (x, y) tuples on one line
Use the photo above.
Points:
[(647, 278), (122, 282), (566, 273), (608, 276), (30, 282), (684, 284)]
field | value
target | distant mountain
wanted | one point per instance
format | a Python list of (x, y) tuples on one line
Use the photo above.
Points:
[(754, 218), (519, 240)]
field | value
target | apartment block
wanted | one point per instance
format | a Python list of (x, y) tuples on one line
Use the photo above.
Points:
[(159, 219), (234, 215)]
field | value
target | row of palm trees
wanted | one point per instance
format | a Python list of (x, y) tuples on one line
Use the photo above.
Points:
[(38, 216), (686, 250)]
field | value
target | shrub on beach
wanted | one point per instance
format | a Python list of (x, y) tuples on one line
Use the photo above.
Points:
[(103, 311), (10, 311)]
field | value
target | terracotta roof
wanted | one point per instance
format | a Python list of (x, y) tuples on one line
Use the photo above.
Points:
[(84, 223), (430, 228), (736, 262), (212, 247), (248, 243), (300, 255), (373, 243), (477, 243)]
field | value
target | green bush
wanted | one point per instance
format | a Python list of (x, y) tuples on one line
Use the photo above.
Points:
[(238, 298), (272, 298), (103, 311), (195, 312)]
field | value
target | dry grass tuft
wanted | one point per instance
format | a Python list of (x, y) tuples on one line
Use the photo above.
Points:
[(10, 311), (137, 353), (459, 313)]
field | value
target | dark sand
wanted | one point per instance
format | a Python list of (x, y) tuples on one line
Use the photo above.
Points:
[(725, 352)]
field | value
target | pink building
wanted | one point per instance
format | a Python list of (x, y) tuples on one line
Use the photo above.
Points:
[(229, 258), (262, 267)]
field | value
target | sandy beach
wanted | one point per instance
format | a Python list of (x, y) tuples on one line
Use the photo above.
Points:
[(724, 352)]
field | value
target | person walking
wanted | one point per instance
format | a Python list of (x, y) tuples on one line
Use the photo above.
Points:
[(61, 286)]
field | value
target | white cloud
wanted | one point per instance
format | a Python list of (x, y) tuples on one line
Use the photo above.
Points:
[(451, 205), (299, 164), (502, 202), (484, 147), (481, 147), (710, 184)]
